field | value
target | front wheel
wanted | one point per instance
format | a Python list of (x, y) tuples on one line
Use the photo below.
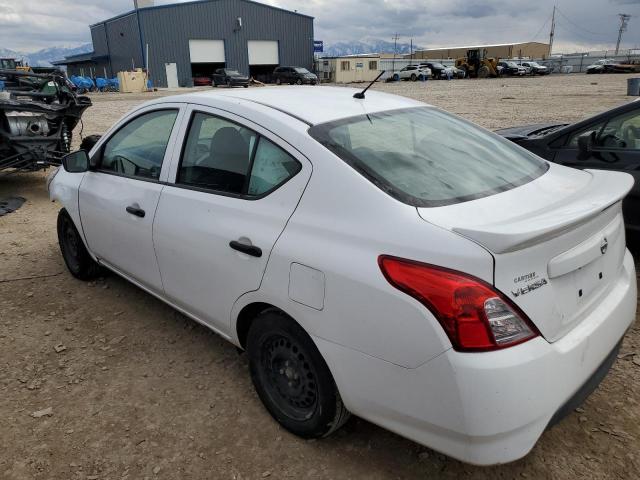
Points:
[(74, 253), (291, 377), (298, 82), (413, 77)]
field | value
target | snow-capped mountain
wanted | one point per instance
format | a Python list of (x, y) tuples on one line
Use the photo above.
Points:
[(44, 57), (367, 46)]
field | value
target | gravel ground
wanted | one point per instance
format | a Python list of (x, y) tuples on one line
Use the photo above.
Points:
[(127, 388)]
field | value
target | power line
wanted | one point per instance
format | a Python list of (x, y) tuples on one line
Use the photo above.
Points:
[(579, 26), (541, 28)]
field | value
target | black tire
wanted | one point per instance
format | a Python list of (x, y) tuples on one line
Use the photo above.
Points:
[(278, 81), (89, 141), (74, 253), (246, 86), (413, 77), (291, 377), (228, 83), (298, 82)]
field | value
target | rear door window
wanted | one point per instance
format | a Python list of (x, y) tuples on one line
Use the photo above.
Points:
[(225, 157), (426, 158)]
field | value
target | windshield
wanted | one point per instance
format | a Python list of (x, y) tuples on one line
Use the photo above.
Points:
[(426, 157), (437, 65), (301, 70), (534, 64)]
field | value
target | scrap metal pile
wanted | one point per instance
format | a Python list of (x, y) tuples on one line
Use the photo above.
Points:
[(38, 113)]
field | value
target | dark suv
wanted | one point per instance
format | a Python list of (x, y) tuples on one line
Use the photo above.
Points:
[(291, 75)]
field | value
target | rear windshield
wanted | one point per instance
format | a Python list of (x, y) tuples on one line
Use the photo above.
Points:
[(428, 158)]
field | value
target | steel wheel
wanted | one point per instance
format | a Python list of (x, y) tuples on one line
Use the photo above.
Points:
[(291, 377), (292, 382)]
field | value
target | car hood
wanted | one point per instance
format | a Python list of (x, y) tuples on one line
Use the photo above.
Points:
[(526, 131)]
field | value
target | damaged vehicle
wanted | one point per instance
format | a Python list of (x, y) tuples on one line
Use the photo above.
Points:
[(38, 113)]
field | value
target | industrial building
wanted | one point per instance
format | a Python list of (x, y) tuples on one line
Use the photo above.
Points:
[(180, 41), (533, 50), (348, 68)]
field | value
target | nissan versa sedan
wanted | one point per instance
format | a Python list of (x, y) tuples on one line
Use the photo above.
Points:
[(372, 255)]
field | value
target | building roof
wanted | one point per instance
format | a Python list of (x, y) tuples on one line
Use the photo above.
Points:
[(353, 55), (80, 58), (178, 5), (470, 47), (312, 105)]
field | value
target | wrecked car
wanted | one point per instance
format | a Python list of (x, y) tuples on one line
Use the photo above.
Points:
[(38, 113)]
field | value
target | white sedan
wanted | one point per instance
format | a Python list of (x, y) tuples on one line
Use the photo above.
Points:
[(372, 255)]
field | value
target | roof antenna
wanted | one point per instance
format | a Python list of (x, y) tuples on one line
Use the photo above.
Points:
[(360, 95)]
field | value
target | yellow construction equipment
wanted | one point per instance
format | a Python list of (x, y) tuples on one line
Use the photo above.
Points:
[(477, 65)]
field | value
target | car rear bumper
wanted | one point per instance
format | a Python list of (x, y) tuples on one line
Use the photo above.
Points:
[(487, 408)]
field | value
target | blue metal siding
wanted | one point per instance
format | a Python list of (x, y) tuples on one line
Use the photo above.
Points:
[(123, 40), (168, 30)]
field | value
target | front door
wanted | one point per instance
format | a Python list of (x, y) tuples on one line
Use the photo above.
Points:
[(118, 198), (615, 145), (236, 185), (171, 70)]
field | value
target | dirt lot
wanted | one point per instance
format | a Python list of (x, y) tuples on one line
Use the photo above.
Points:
[(137, 391)]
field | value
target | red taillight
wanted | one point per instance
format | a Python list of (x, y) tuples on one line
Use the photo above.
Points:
[(474, 315)]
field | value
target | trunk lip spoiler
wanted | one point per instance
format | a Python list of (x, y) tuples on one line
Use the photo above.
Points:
[(517, 235)]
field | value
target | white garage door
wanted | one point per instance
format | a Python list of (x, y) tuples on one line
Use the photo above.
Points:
[(263, 52), (206, 51)]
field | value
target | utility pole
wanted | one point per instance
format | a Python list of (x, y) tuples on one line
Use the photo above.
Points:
[(624, 19), (553, 29), (411, 50), (395, 50)]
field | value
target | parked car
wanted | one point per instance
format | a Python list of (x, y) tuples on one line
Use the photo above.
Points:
[(534, 68), (438, 70), (291, 75), (412, 72), (460, 73), (512, 68), (609, 65), (230, 78), (201, 81), (607, 141), (372, 255)]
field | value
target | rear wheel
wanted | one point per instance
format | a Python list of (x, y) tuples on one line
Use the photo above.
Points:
[(291, 377), (74, 253), (396, 77), (413, 77), (278, 81), (228, 83), (299, 82)]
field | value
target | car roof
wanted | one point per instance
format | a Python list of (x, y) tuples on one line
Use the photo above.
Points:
[(312, 105)]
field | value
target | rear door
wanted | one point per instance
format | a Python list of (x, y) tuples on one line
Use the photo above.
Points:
[(118, 199), (232, 190), (616, 146)]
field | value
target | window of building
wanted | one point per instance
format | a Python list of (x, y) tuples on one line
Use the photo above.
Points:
[(345, 65), (373, 65)]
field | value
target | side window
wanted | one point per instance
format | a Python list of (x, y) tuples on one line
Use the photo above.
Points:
[(137, 149), (217, 154), (622, 131), (590, 130), (272, 166), (223, 156)]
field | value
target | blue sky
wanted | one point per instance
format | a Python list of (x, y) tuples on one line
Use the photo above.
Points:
[(28, 25)]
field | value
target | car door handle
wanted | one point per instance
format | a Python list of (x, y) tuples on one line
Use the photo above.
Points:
[(137, 211), (244, 248)]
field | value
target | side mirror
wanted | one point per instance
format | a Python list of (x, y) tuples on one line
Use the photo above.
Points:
[(585, 145), (76, 162)]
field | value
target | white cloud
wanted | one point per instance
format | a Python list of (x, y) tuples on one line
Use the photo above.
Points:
[(26, 25)]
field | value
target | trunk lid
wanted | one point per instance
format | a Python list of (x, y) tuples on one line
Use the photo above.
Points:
[(558, 241)]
